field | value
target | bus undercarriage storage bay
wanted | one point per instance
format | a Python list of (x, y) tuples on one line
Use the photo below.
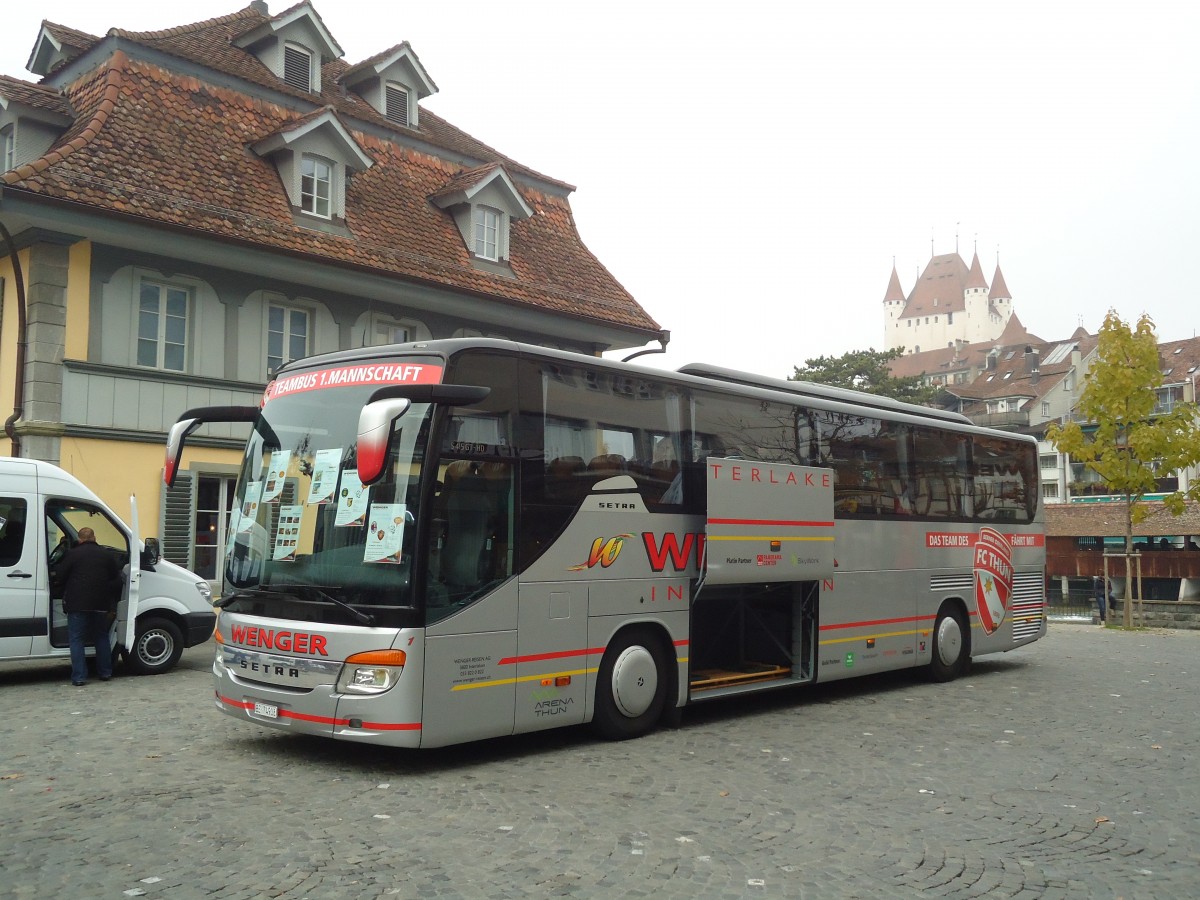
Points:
[(454, 540)]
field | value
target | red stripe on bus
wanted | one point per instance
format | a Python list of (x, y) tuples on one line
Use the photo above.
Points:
[(316, 720), (875, 622), (790, 522), (325, 720), (563, 654), (538, 657)]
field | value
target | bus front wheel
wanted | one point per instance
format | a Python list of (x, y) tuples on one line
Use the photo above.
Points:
[(632, 686), (950, 645)]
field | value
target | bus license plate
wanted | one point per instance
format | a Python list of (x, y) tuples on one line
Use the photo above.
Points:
[(266, 710)]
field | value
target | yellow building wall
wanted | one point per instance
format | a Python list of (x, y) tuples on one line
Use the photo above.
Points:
[(78, 313), (79, 307), (116, 469), (9, 332)]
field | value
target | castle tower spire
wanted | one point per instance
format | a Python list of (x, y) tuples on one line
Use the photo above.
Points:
[(894, 291), (999, 288), (975, 279)]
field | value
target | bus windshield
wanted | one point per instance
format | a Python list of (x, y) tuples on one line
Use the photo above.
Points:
[(307, 540)]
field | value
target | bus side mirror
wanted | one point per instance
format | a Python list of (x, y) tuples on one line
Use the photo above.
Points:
[(193, 419), (389, 403), (375, 435), (151, 553), (175, 439)]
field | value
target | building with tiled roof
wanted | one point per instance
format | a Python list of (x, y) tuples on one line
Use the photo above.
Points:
[(950, 303), (192, 207), (1022, 383)]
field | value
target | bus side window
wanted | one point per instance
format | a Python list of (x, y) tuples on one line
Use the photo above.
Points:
[(476, 509), (12, 531)]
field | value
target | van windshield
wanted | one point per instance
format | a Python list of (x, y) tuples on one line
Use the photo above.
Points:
[(306, 539)]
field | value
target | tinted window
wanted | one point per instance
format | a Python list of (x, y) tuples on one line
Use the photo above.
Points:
[(1005, 480), (12, 530)]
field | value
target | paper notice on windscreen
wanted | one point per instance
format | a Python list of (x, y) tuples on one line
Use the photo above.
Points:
[(235, 525), (386, 521), (324, 475), (250, 502), (352, 500), (287, 533), (276, 475)]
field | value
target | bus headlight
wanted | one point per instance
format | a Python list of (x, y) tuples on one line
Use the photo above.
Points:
[(372, 672)]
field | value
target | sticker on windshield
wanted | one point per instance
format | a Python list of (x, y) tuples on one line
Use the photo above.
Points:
[(386, 522), (250, 501), (281, 460), (287, 533), (235, 525), (351, 500), (324, 475)]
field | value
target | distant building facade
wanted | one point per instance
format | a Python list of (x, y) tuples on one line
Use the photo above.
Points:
[(1020, 382), (950, 303)]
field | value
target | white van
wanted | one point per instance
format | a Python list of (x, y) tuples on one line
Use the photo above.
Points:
[(163, 608)]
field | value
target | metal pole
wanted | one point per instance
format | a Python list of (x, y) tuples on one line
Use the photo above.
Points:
[(1141, 596), (1104, 587)]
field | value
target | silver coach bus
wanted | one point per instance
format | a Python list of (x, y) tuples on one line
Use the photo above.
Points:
[(455, 540)]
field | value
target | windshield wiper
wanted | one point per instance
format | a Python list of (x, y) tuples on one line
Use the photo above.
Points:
[(298, 592), (318, 591), (250, 594)]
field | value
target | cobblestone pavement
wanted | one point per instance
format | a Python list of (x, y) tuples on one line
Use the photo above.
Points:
[(1063, 769)]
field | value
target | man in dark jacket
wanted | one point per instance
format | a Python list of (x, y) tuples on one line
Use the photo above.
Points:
[(91, 580)]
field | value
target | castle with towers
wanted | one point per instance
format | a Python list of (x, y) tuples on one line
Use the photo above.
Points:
[(949, 305)]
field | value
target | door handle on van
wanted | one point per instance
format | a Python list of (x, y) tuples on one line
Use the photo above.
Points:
[(20, 575)]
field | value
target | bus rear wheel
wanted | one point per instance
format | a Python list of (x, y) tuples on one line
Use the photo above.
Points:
[(950, 645), (632, 686)]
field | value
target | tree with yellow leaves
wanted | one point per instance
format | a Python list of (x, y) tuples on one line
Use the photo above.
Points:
[(1123, 440)]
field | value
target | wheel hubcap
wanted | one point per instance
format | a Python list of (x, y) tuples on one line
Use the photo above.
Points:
[(634, 681), (949, 641), (154, 647)]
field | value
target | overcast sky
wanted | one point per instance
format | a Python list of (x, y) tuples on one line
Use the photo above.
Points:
[(749, 170)]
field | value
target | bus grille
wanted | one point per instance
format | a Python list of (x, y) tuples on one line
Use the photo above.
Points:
[(1028, 605), (943, 583)]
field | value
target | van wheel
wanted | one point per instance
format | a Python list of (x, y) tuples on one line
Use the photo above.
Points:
[(631, 689), (950, 645), (157, 646)]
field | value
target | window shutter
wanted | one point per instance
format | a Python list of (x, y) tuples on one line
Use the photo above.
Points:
[(296, 68), (397, 105), (178, 520)]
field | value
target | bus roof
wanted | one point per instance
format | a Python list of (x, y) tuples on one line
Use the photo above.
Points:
[(733, 380), (821, 391)]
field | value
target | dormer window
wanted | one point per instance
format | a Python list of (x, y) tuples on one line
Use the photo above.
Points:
[(32, 117), (487, 231), (297, 67), (314, 157), (484, 203), (396, 103), (392, 82), (293, 45), (316, 186)]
